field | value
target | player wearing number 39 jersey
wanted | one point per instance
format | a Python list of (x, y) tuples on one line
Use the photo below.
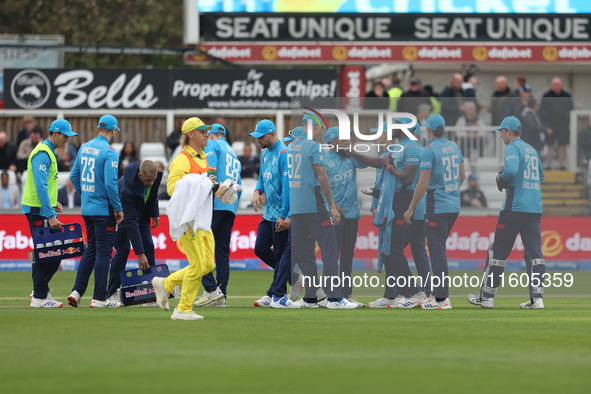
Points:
[(94, 176), (521, 214), (442, 173)]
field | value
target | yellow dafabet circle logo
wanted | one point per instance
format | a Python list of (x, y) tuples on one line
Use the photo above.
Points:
[(269, 53), (340, 53), (550, 53), (410, 53), (551, 243), (480, 53)]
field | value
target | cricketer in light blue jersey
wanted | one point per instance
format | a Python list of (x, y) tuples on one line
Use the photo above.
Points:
[(273, 180), (221, 155), (94, 176), (304, 156), (523, 174), (342, 173), (443, 159)]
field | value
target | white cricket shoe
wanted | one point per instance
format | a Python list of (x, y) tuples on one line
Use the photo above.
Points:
[(431, 303), (303, 304), (341, 304), (161, 293), (412, 302), (150, 304), (176, 315), (45, 303), (381, 303), (354, 301), (264, 301), (296, 288), (74, 299), (537, 304), (487, 303), (208, 297), (104, 304), (283, 302), (221, 303)]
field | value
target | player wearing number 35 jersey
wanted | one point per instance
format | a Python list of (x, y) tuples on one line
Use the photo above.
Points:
[(521, 214), (442, 173), (94, 176)]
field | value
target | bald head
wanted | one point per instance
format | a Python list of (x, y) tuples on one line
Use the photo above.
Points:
[(456, 81), (556, 85), (501, 83), (3, 139)]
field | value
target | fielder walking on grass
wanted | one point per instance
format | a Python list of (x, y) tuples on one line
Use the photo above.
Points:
[(39, 198), (94, 176), (521, 214)]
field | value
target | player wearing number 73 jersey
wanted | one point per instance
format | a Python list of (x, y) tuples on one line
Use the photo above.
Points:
[(521, 214), (442, 173), (94, 176)]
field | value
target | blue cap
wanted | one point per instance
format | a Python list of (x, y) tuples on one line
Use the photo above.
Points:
[(511, 123), (314, 119), (295, 133), (265, 126), (331, 134), (415, 129), (472, 177), (62, 126), (434, 121), (217, 128), (109, 121), (384, 128)]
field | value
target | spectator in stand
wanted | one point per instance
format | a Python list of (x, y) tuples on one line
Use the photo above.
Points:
[(378, 98), (533, 130), (68, 196), (473, 196), (66, 156), (501, 98), (516, 104), (127, 155), (519, 82), (28, 125), (394, 91), (26, 147), (7, 153), (9, 193), (251, 164), (585, 140), (413, 97), (471, 141), (434, 98), (555, 113), (453, 98), (174, 137)]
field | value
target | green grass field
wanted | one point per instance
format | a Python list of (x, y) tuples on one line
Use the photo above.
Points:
[(243, 349)]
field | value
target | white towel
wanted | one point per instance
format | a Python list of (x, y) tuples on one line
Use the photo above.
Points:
[(190, 206)]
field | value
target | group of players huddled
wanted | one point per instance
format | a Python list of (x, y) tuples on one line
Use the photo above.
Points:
[(309, 193)]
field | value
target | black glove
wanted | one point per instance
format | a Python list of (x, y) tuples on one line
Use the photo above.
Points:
[(501, 184)]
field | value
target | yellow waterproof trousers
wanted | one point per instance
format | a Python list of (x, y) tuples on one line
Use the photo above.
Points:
[(199, 248)]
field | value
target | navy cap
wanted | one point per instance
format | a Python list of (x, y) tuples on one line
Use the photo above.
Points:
[(511, 123), (109, 121), (265, 126), (472, 177), (62, 126)]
